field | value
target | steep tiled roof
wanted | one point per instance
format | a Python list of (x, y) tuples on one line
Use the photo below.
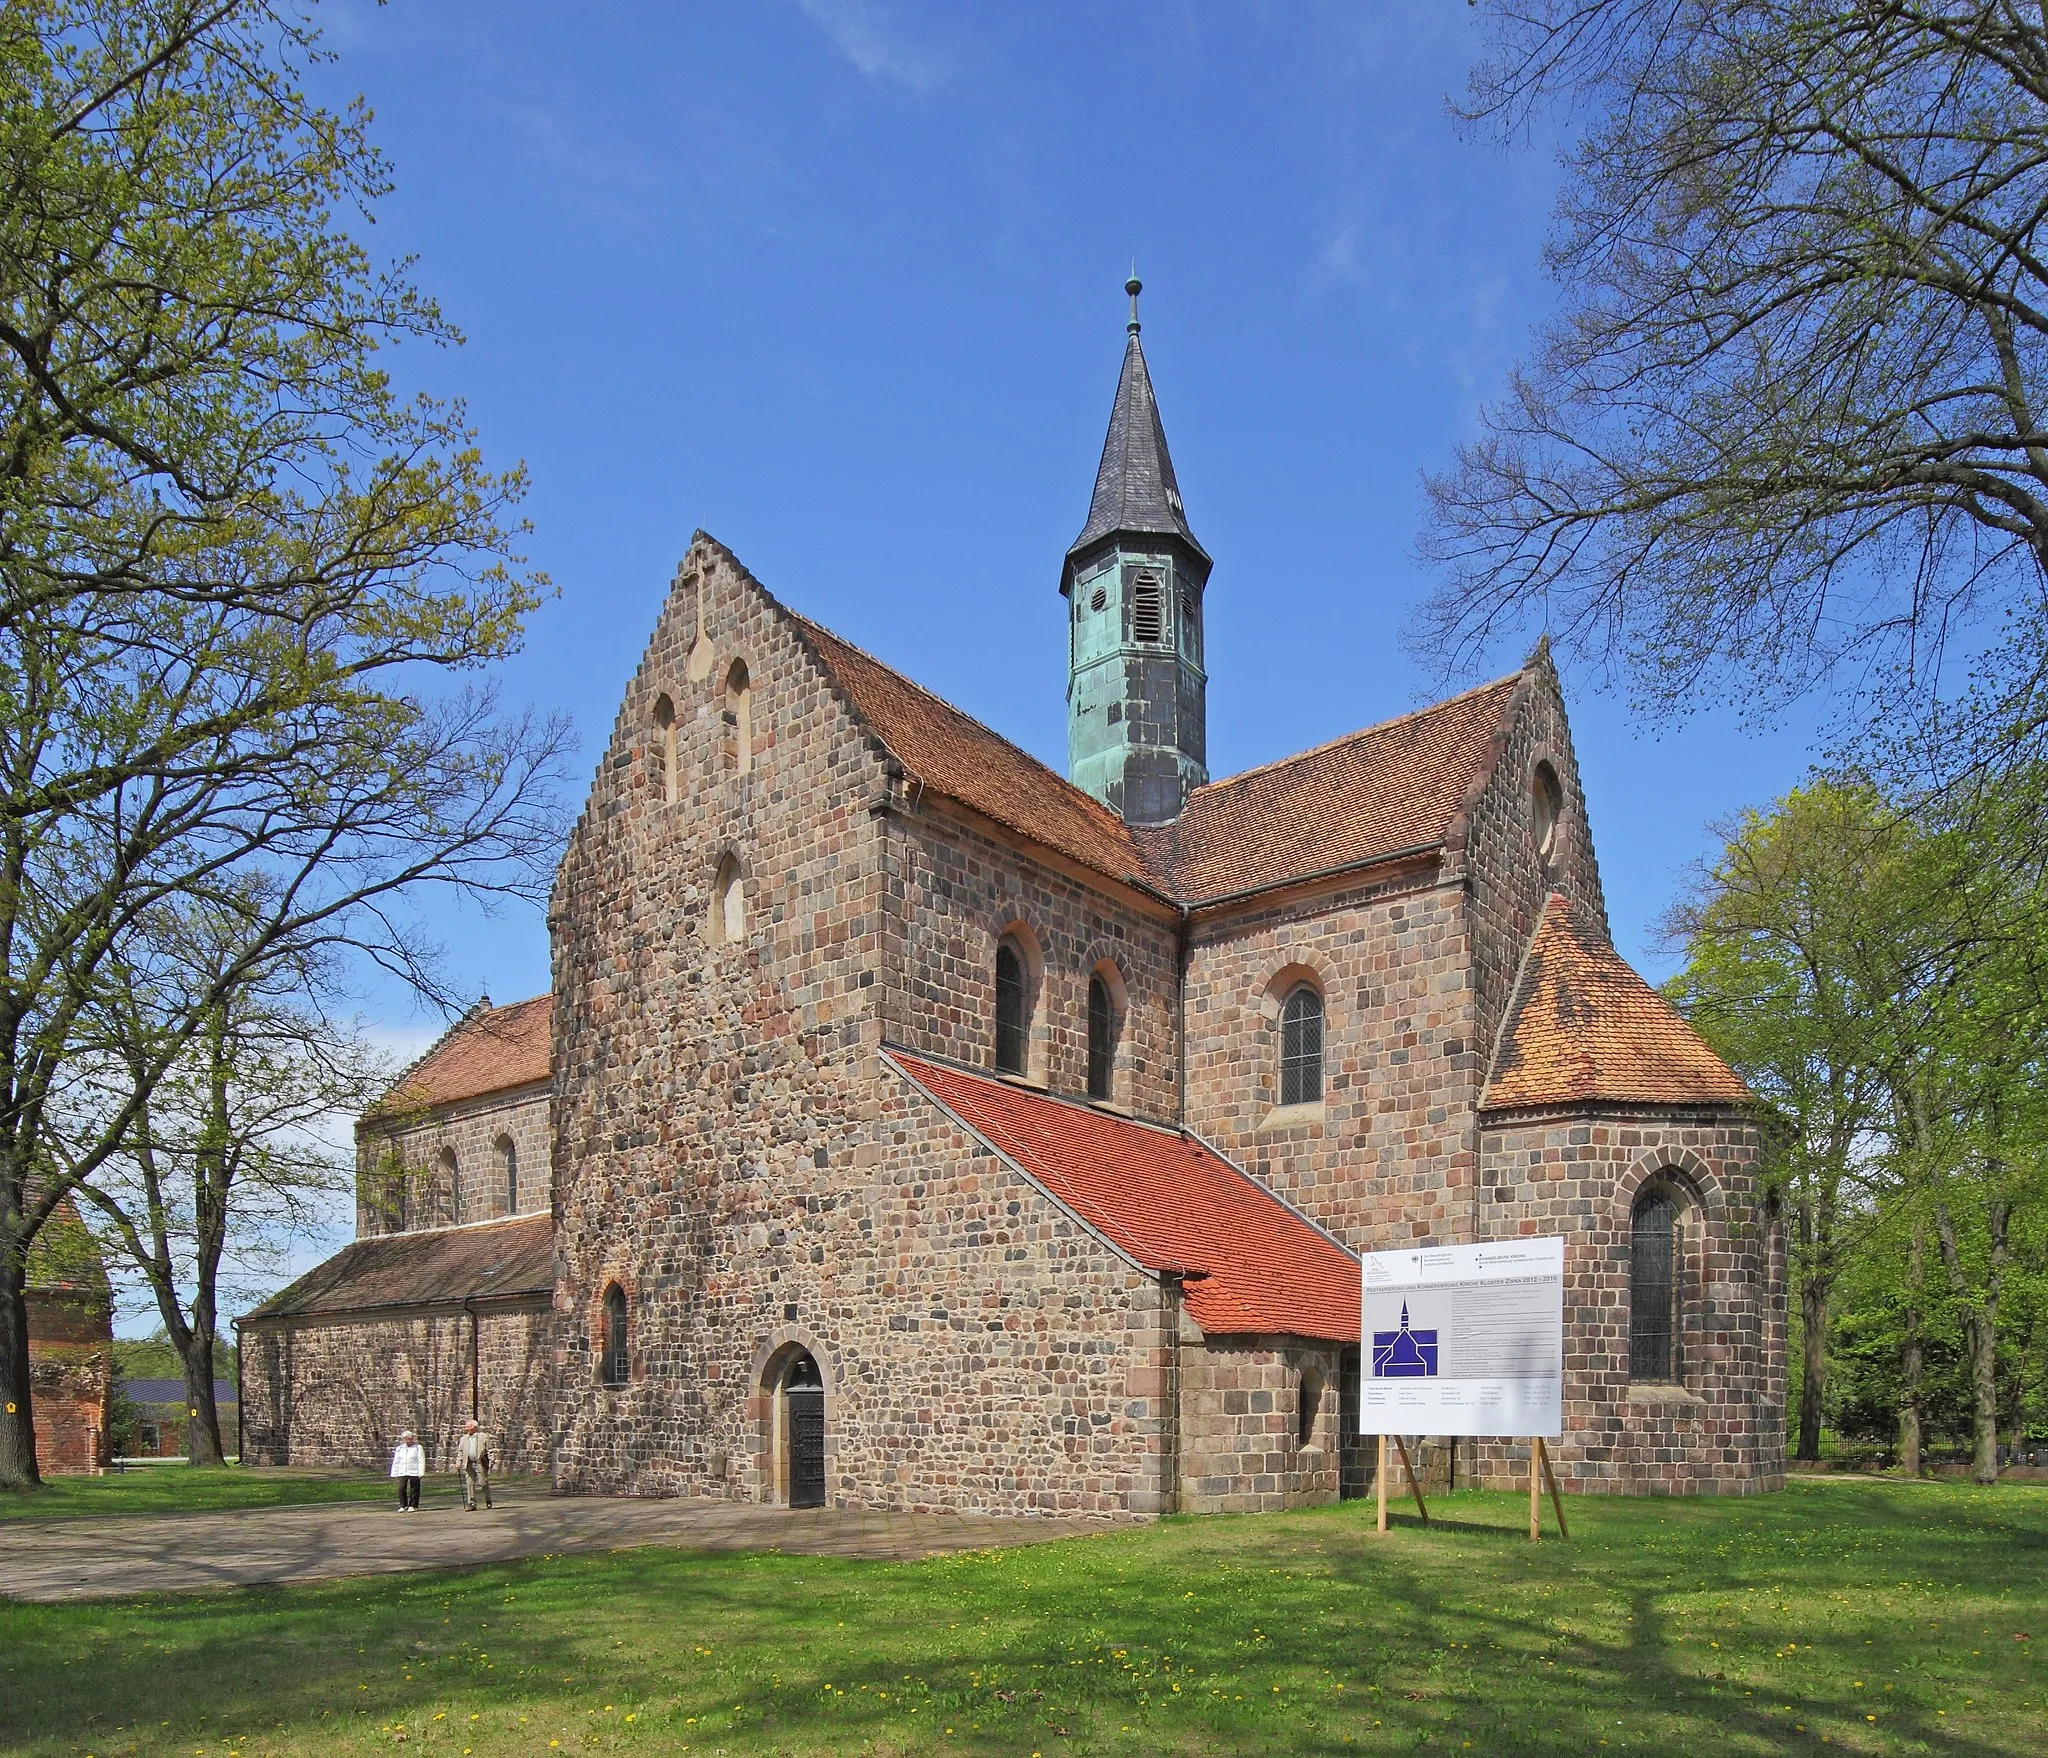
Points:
[(1394, 786), (1582, 1026), (1169, 1202), (955, 755), (490, 1051), (440, 1267)]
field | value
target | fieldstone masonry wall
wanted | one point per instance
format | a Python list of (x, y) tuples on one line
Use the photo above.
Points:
[(341, 1392), (1721, 1427), (478, 1134)]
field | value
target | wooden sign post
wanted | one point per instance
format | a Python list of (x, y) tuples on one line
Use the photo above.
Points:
[(1380, 1482), (1539, 1459)]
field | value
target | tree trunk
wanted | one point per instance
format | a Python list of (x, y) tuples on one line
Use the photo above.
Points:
[(1913, 1359), (1980, 1335), (17, 1414), (202, 1414), (1813, 1384)]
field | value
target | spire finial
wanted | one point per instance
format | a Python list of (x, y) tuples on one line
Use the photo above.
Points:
[(1134, 287)]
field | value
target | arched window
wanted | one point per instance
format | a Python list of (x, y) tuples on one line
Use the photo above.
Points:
[(450, 1181), (1012, 1025), (1101, 1037), (1301, 1047), (1546, 805), (508, 1171), (739, 716), (1148, 612), (665, 747), (728, 905), (1653, 1287), (614, 1364)]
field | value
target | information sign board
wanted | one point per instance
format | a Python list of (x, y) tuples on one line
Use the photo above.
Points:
[(1464, 1340)]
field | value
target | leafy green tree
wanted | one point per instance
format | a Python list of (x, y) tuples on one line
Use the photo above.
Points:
[(240, 573)]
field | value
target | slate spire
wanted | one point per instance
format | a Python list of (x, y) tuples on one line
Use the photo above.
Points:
[(1135, 490), (1134, 579)]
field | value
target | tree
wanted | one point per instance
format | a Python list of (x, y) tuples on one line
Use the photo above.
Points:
[(1783, 976), (1790, 425), (236, 567), (224, 1161)]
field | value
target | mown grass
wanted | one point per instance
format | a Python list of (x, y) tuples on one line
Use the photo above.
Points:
[(177, 1489), (1840, 1616)]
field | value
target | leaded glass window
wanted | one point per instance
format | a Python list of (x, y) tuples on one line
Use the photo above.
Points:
[(1009, 1010), (1653, 1288), (1301, 1048), (1101, 1038)]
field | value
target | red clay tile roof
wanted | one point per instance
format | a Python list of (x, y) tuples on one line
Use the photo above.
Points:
[(1168, 1201), (439, 1267), (955, 755), (490, 1051), (1373, 793), (1582, 1027)]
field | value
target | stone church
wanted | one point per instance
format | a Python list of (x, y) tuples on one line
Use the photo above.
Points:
[(911, 1127)]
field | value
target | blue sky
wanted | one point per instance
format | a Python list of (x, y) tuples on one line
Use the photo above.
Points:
[(839, 281)]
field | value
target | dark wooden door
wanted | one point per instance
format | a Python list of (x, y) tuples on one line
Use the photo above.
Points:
[(806, 1446)]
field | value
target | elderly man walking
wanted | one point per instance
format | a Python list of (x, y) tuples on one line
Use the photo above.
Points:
[(473, 1460)]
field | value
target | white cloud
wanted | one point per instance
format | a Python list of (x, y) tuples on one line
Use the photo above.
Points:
[(870, 36)]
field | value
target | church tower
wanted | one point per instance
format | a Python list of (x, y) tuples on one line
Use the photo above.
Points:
[(1136, 691)]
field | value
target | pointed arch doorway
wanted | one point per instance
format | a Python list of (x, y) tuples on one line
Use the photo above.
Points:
[(803, 1423)]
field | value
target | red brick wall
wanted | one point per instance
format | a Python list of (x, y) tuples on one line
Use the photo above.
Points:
[(70, 1350)]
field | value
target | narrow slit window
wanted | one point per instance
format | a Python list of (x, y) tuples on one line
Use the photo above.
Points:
[(1010, 1021), (508, 1157), (616, 1363), (739, 717), (1101, 1038), (1653, 1289), (665, 747), (1301, 1048), (728, 905)]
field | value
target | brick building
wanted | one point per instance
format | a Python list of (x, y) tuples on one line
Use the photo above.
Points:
[(927, 1130), (70, 1345)]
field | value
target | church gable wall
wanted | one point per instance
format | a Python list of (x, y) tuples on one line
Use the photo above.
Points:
[(953, 892), (1507, 876), (1720, 1428), (714, 1054), (403, 1181), (1387, 1158)]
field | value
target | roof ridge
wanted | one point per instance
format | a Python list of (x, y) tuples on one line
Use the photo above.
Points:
[(450, 1227), (1357, 733), (1085, 798), (481, 1004)]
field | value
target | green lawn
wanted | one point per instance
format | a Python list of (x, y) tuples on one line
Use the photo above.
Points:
[(173, 1489), (1856, 1616)]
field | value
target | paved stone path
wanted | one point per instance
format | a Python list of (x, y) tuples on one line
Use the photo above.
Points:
[(100, 1558)]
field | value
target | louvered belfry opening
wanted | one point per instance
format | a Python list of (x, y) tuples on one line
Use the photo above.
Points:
[(1148, 616), (1301, 1048), (1101, 1038), (1653, 1288), (1010, 1023)]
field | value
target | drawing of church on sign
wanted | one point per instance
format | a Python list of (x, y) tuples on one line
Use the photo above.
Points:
[(1404, 1354), (911, 1126)]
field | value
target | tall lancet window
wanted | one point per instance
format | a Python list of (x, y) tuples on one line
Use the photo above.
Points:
[(739, 717), (1012, 1023), (665, 747), (1301, 1047), (728, 904), (1101, 1037), (1653, 1287)]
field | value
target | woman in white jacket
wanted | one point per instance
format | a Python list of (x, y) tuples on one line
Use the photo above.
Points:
[(408, 1465)]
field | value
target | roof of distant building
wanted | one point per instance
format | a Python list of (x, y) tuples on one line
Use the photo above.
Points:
[(1166, 1199), (489, 1050), (148, 1392), (441, 1266), (1582, 1026)]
